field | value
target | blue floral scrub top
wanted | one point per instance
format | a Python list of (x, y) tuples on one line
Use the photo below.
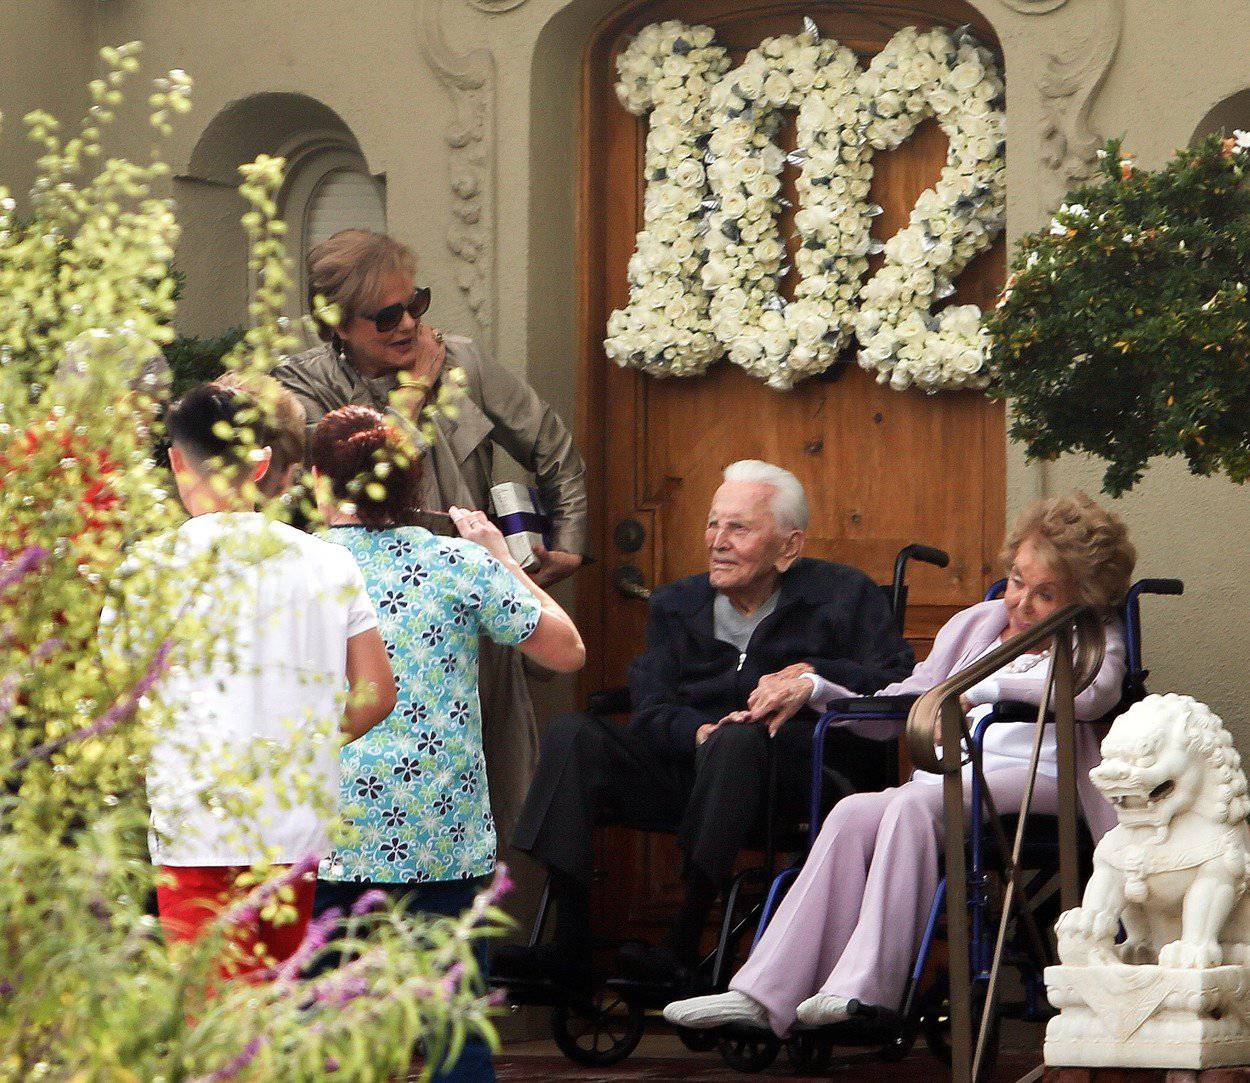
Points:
[(414, 786)]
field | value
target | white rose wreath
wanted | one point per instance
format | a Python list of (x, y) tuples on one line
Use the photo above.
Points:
[(946, 74), (781, 342), (668, 70), (702, 283)]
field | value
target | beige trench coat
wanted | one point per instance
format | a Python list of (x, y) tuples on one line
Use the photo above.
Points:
[(499, 408)]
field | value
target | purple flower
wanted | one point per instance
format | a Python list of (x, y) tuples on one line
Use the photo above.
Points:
[(500, 885), (340, 991), (114, 716), (235, 1066), (373, 899), (451, 981), (316, 938), (26, 562)]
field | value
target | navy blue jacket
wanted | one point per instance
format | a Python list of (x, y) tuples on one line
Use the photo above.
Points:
[(829, 615)]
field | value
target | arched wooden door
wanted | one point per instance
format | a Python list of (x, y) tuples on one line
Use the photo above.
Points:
[(882, 468)]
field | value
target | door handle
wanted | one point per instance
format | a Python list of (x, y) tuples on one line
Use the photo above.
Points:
[(629, 581)]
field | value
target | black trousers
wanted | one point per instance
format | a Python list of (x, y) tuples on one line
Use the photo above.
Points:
[(594, 771)]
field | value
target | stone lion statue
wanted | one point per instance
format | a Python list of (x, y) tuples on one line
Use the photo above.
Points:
[(1175, 869)]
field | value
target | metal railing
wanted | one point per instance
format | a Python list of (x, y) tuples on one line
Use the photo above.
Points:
[(938, 740)]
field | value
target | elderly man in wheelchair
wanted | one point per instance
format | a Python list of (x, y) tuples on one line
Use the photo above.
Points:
[(847, 932), (692, 760)]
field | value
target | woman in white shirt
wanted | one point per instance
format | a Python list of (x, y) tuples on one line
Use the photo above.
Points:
[(852, 922)]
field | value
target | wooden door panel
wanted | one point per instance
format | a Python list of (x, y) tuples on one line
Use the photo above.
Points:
[(882, 468)]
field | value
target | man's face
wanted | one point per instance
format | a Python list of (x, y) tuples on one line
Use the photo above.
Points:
[(745, 548), (375, 352)]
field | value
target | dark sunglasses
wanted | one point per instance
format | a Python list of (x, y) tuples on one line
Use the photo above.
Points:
[(388, 318)]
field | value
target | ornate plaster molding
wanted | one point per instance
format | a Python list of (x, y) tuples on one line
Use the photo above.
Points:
[(498, 7), (470, 81), (1072, 80), (1034, 7)]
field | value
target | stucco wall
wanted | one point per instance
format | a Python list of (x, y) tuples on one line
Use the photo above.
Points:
[(483, 94), (44, 51)]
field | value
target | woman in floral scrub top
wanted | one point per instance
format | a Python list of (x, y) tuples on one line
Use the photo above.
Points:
[(414, 788)]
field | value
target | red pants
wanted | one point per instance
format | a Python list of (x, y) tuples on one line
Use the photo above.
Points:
[(190, 897)]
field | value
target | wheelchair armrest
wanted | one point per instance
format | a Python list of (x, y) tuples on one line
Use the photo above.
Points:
[(872, 706), (608, 702), (1009, 710)]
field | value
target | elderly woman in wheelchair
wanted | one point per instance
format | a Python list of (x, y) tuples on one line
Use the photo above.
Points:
[(847, 931)]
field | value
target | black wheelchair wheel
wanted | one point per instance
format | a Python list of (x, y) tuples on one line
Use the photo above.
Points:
[(749, 1051), (599, 1032), (809, 1052), (935, 1022), (698, 1041)]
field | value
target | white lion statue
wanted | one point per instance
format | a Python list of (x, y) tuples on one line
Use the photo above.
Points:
[(1173, 874), (1174, 870)]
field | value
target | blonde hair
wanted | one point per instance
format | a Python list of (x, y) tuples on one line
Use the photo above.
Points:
[(349, 269), (287, 422), (1080, 538)]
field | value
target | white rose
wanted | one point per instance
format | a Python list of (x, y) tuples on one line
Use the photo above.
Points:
[(889, 103), (776, 343), (662, 140), (765, 186), (778, 89), (769, 250), (749, 169), (906, 247), (911, 329), (688, 174), (746, 349), (771, 158), (733, 205), (749, 82), (809, 220), (677, 309), (810, 329)]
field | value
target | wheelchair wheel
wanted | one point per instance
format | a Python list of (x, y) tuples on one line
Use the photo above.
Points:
[(749, 1050), (599, 1032), (809, 1053), (698, 1041), (935, 1022)]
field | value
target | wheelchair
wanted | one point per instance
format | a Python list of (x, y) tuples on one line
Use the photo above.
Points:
[(874, 1033), (602, 1027)]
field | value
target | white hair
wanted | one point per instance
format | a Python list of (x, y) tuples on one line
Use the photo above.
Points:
[(789, 503)]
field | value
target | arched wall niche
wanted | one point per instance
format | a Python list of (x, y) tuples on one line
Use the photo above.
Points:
[(1226, 116), (212, 254)]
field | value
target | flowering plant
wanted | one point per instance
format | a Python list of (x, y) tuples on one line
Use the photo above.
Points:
[(668, 70), (87, 989), (1125, 326)]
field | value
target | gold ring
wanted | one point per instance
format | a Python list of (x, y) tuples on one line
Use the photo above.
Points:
[(438, 337)]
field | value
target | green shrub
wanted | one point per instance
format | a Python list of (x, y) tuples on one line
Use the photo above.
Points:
[(1124, 330)]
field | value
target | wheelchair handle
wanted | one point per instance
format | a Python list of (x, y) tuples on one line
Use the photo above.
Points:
[(926, 554), (1157, 586)]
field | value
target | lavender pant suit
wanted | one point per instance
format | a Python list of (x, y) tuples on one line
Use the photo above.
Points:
[(852, 922)]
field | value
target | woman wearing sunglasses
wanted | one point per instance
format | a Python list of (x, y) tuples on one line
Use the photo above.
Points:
[(381, 334)]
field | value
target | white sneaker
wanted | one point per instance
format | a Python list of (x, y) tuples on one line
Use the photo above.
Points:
[(723, 1009), (822, 1009)]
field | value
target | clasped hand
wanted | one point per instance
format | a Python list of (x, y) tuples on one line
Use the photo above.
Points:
[(777, 698)]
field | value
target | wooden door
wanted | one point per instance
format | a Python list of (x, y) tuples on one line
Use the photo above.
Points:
[(882, 468)]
